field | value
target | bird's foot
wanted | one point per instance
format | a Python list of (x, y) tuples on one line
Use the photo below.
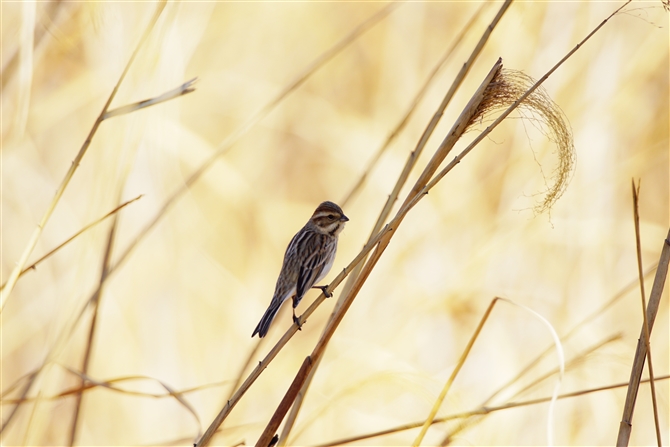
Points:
[(323, 289), (296, 320)]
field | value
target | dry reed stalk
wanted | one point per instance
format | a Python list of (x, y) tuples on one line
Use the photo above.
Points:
[(561, 371), (459, 128), (402, 179), (478, 412), (14, 275)]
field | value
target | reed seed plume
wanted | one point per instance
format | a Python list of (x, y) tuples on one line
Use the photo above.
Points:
[(538, 108)]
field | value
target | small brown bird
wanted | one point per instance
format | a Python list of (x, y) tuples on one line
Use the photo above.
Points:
[(307, 260)]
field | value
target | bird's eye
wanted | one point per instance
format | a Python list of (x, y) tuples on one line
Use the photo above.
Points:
[(331, 217)]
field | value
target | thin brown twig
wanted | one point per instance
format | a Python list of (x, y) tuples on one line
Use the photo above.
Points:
[(14, 275), (477, 412), (33, 266)]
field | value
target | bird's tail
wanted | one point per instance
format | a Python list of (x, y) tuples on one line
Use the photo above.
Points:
[(266, 321)]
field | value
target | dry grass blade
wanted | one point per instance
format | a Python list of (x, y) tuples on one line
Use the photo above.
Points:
[(478, 412), (33, 266), (526, 369), (14, 275)]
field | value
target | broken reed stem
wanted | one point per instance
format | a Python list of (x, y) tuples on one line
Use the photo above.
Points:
[(478, 412), (402, 179), (638, 249), (14, 275)]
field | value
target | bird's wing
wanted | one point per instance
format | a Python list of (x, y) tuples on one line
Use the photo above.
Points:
[(309, 273)]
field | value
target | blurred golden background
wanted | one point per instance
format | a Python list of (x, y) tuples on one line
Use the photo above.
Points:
[(181, 308)]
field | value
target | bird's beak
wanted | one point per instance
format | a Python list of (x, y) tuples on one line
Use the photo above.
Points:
[(344, 218)]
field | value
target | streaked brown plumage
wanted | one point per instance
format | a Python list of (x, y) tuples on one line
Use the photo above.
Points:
[(308, 259)]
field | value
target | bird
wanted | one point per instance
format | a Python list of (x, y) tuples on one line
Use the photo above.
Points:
[(308, 259)]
